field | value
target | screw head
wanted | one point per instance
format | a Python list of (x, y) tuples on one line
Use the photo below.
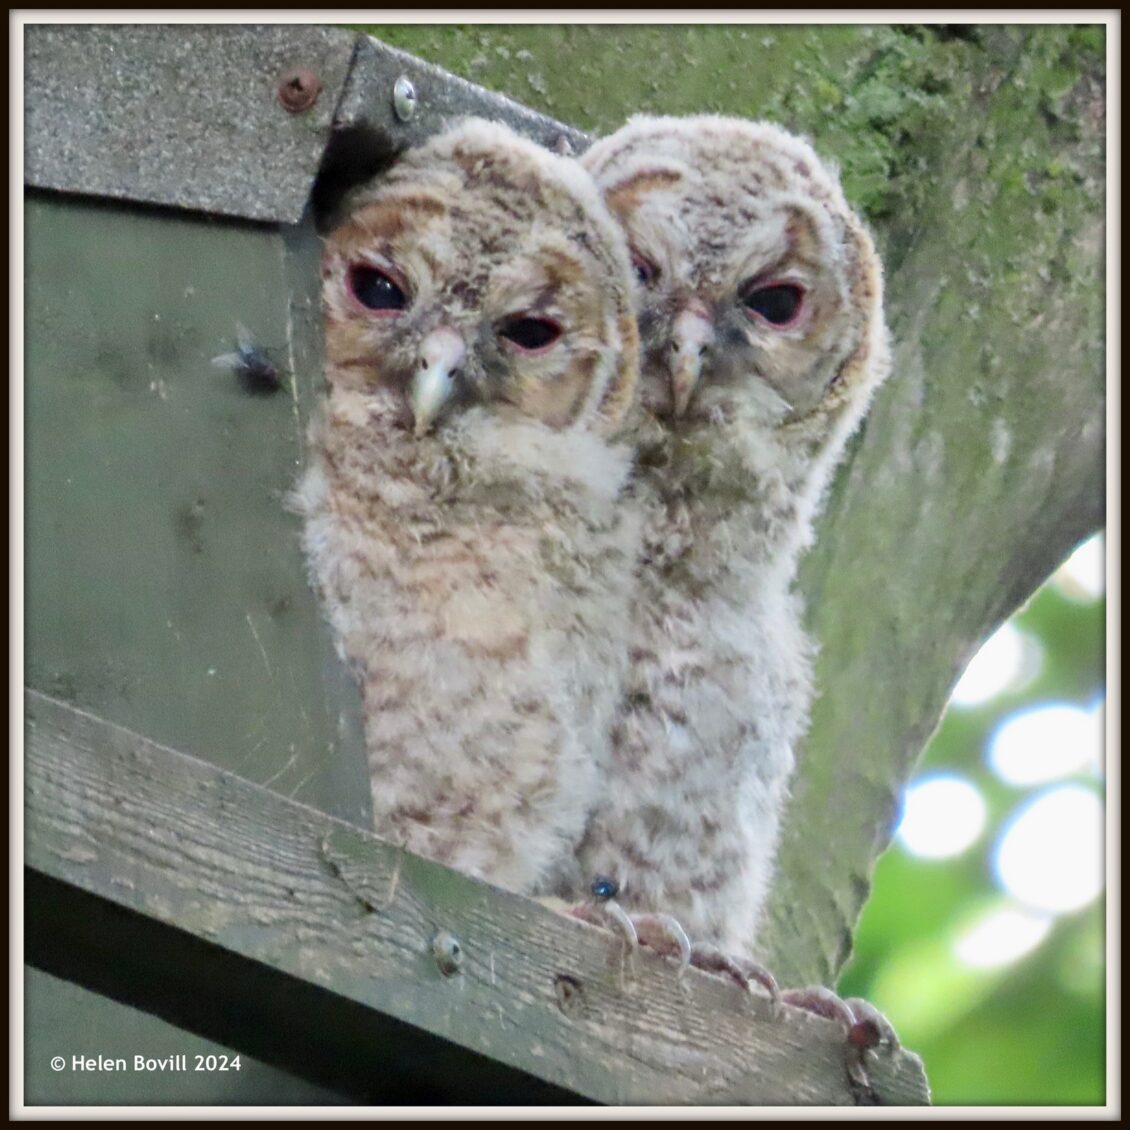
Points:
[(448, 953), (404, 98), (298, 90)]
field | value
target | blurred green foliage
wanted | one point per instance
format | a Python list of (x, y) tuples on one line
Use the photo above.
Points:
[(1030, 1032)]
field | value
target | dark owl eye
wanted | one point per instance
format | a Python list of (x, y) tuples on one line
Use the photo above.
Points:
[(374, 289), (779, 304), (530, 335), (646, 271)]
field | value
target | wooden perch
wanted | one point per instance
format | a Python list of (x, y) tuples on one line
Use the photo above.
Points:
[(172, 885)]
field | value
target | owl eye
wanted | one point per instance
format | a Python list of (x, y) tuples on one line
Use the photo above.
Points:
[(779, 304), (375, 290), (530, 335), (646, 271)]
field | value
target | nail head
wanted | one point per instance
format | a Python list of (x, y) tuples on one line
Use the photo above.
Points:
[(404, 98)]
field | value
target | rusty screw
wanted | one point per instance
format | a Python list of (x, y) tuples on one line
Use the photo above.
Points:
[(299, 90)]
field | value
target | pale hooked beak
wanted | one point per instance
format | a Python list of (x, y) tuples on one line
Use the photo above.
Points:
[(691, 333), (433, 384)]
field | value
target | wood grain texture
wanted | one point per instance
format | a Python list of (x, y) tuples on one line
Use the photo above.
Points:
[(276, 890)]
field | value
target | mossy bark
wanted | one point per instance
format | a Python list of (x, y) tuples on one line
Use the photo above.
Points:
[(977, 154)]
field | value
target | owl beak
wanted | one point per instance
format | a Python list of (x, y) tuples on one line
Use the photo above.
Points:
[(440, 355), (691, 333)]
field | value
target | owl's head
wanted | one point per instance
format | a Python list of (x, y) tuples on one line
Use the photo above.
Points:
[(481, 272), (758, 290)]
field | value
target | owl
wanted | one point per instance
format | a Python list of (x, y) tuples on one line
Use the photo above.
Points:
[(759, 300), (462, 509)]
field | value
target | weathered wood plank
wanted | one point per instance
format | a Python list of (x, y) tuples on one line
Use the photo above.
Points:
[(235, 912)]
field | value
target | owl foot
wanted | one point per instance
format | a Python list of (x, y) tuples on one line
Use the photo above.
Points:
[(664, 935), (865, 1029), (741, 970), (658, 932)]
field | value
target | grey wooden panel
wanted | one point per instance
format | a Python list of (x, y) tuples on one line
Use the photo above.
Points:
[(185, 115), (165, 586)]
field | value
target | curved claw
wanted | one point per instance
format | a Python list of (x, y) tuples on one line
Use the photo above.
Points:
[(612, 909), (659, 932), (863, 1024), (757, 972), (663, 934), (609, 914), (864, 1027), (740, 969), (821, 1002), (871, 1028)]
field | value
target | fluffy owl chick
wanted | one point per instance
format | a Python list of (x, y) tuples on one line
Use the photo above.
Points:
[(462, 517), (759, 299)]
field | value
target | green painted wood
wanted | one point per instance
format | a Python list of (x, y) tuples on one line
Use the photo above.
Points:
[(165, 586)]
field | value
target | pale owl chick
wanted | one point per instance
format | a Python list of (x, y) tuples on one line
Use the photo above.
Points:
[(759, 299), (462, 513)]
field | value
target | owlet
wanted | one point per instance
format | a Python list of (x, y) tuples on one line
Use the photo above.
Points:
[(463, 516)]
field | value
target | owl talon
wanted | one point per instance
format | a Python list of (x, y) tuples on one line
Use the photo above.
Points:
[(609, 914), (871, 1028), (614, 911), (658, 932), (741, 970), (664, 935), (821, 1002), (865, 1029)]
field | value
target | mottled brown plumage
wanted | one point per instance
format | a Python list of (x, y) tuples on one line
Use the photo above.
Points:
[(462, 509), (759, 301)]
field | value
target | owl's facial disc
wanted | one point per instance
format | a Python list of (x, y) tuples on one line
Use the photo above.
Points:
[(749, 330)]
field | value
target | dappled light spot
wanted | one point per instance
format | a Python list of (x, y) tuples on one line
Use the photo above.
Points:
[(942, 816), (1050, 855), (1082, 577), (1002, 936), (1007, 661), (1046, 743)]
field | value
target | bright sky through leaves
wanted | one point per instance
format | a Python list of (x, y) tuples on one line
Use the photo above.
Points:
[(942, 815), (1008, 659), (1050, 854), (1002, 936), (1048, 742), (1082, 576)]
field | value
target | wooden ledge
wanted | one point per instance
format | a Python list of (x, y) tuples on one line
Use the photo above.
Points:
[(161, 881)]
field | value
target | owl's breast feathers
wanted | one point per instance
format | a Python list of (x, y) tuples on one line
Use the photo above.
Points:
[(479, 581), (464, 521)]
